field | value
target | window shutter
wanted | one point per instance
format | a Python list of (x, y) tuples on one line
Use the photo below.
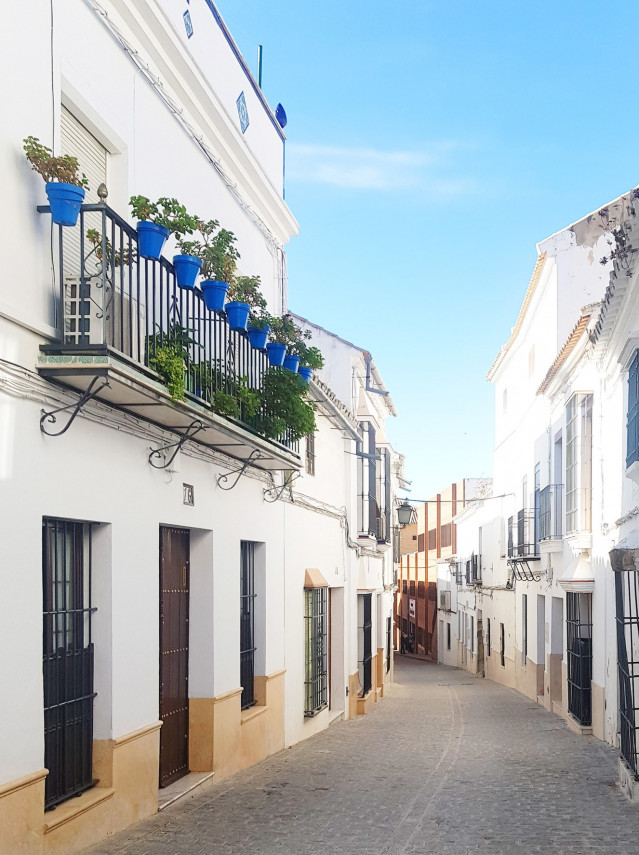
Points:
[(77, 141)]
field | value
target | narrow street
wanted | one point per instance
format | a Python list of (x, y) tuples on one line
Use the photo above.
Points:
[(445, 764)]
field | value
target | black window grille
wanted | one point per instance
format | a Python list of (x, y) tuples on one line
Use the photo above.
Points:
[(550, 512), (459, 573), (627, 617), (365, 643), (448, 636), (632, 449), (367, 511), (524, 628), (488, 636), (389, 628), (383, 495), (67, 659), (502, 645), (315, 641), (310, 454), (579, 653), (247, 624)]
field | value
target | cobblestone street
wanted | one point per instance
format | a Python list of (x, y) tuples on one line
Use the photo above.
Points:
[(446, 763)]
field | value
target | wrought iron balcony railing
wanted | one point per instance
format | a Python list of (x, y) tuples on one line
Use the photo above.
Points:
[(112, 300), (522, 542), (551, 512)]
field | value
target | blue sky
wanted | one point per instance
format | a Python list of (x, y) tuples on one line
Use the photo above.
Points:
[(430, 146)]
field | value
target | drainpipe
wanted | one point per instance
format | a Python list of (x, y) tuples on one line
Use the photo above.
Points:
[(368, 360)]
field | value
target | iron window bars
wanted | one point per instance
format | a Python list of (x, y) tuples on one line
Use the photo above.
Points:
[(578, 462), (632, 447), (316, 650), (550, 512), (113, 300), (579, 654), (310, 454), (627, 619), (521, 535), (68, 658), (389, 627), (365, 646), (247, 624)]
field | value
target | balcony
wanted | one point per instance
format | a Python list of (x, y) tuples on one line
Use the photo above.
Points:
[(521, 535), (551, 512), (118, 312)]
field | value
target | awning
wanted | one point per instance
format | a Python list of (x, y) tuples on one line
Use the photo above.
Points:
[(625, 555), (578, 576), (314, 579)]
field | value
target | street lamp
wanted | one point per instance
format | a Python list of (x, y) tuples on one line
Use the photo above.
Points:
[(404, 514)]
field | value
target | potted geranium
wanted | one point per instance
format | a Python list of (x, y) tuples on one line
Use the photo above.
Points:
[(258, 328), (65, 184), (157, 220), (311, 359), (244, 293), (215, 249)]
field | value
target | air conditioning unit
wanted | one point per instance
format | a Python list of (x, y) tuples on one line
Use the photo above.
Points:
[(84, 321), (444, 601)]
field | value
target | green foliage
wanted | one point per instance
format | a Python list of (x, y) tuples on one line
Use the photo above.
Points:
[(64, 168), (168, 361), (225, 404), (215, 247), (246, 289), (165, 212), (286, 331), (285, 406), (168, 354), (260, 320), (116, 258)]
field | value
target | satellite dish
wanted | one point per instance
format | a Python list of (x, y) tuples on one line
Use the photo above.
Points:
[(280, 115)]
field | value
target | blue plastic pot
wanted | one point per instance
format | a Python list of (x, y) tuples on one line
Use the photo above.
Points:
[(258, 338), (305, 373), (275, 352), (65, 201), (214, 293), (291, 362), (237, 315), (187, 268), (151, 239)]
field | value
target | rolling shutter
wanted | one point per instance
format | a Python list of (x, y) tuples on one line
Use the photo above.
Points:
[(92, 155)]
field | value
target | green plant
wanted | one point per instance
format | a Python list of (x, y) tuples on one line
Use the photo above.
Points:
[(250, 399), (168, 361), (285, 331), (168, 353), (165, 212), (312, 358), (125, 257), (260, 320), (246, 289), (216, 250), (225, 404), (285, 407), (64, 168)]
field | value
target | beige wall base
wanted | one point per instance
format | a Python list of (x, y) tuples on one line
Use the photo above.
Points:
[(380, 672), (502, 674), (555, 679), (127, 769), (225, 739), (21, 815), (353, 690), (529, 677)]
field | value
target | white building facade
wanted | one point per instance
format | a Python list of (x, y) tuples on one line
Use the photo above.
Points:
[(170, 574)]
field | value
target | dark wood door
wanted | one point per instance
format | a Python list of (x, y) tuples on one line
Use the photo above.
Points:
[(174, 654)]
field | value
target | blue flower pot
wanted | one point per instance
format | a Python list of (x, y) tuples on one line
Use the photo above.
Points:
[(291, 362), (275, 352), (65, 201), (214, 293), (237, 315), (187, 268), (258, 338), (305, 373), (151, 239)]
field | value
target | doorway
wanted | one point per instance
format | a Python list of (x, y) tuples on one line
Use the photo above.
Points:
[(174, 653)]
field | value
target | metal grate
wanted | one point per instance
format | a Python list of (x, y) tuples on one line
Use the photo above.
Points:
[(247, 624), (316, 652), (67, 659), (550, 512), (627, 608), (579, 653), (365, 643)]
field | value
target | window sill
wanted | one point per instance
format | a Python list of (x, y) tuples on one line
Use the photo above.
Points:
[(632, 472), (76, 806), (252, 712)]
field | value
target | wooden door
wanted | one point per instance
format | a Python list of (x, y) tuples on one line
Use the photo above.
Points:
[(174, 654)]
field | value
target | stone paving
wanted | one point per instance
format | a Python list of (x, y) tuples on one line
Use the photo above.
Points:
[(446, 764)]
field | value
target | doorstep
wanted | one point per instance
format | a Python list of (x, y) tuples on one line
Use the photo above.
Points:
[(182, 787), (335, 715), (577, 728)]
